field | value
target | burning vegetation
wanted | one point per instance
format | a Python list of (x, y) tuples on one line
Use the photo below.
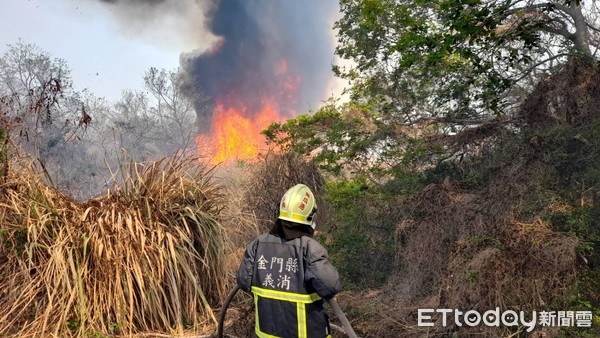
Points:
[(260, 72), (236, 130)]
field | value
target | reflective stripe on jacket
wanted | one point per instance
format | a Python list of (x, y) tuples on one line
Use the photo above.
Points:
[(289, 279)]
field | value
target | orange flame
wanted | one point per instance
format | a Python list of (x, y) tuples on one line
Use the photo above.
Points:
[(235, 131), (235, 136)]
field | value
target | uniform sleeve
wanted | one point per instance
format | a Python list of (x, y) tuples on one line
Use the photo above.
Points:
[(244, 274), (320, 273)]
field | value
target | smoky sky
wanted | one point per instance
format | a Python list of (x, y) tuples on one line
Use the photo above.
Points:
[(141, 2), (257, 37)]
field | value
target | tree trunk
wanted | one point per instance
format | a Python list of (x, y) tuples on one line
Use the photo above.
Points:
[(581, 37)]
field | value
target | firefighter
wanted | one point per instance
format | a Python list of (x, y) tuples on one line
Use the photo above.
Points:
[(288, 272)]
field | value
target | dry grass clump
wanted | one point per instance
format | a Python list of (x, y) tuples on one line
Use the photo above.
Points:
[(433, 221), (238, 217), (272, 176), (459, 255), (479, 248), (527, 268), (147, 256), (570, 96)]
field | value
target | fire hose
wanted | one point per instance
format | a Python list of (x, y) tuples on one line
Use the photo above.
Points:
[(334, 305)]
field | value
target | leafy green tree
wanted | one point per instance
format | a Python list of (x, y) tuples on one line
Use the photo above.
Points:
[(456, 61), (351, 140), (424, 73)]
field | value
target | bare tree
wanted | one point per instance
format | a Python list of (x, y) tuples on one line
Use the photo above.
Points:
[(47, 118), (41, 109), (175, 98)]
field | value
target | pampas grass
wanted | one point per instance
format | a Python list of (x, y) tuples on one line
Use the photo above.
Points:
[(146, 257)]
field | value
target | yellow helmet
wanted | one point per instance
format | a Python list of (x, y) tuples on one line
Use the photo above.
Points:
[(298, 205)]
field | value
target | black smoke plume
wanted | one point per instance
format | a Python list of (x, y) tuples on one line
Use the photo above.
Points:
[(264, 46)]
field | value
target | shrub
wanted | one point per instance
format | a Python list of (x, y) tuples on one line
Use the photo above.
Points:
[(358, 239)]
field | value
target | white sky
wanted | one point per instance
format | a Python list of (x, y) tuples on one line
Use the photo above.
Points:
[(109, 50), (89, 38)]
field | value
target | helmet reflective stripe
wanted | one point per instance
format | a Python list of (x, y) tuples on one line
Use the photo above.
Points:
[(298, 205), (294, 217)]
